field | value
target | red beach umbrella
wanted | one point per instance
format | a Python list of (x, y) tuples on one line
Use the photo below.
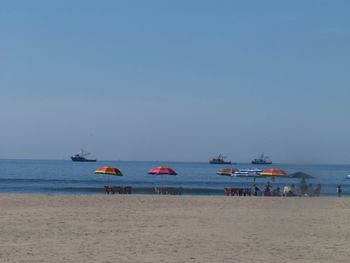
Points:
[(273, 172), (162, 170), (111, 170)]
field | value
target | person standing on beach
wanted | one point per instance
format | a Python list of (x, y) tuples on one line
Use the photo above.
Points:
[(339, 190), (317, 191), (292, 189), (303, 186)]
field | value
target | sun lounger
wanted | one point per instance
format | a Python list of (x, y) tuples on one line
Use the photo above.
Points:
[(161, 190), (117, 190), (227, 191), (247, 192), (127, 190), (177, 191), (237, 192), (107, 189), (234, 191), (168, 190)]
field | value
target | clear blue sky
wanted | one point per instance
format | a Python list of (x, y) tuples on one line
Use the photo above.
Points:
[(175, 80)]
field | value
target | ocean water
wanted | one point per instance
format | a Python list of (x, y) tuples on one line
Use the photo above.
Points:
[(67, 177)]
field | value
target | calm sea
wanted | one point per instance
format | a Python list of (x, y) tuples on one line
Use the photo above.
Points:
[(67, 177)]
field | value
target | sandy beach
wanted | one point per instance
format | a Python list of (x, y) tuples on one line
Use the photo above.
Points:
[(173, 229)]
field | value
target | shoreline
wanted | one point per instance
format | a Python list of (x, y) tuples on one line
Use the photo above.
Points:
[(156, 196), (345, 196)]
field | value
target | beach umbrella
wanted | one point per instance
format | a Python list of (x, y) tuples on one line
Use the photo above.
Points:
[(300, 175), (226, 172), (273, 173), (160, 170), (110, 170)]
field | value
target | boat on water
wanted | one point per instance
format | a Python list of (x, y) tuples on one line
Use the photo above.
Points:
[(82, 157), (248, 173), (220, 159), (262, 160)]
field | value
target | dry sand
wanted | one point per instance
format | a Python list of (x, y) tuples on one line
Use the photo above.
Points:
[(173, 229)]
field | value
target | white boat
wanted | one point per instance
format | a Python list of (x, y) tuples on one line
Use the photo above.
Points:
[(247, 173)]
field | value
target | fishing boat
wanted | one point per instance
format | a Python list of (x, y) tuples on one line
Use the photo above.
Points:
[(220, 159), (262, 160), (82, 157)]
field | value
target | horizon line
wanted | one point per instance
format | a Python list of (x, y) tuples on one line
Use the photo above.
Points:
[(183, 161)]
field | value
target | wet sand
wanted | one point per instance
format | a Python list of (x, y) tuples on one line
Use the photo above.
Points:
[(173, 229)]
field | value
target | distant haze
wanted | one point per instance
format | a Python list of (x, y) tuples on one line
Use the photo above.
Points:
[(175, 80)]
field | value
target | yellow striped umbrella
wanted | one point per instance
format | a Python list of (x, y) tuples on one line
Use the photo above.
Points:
[(111, 170)]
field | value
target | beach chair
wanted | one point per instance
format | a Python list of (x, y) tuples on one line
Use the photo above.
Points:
[(267, 194), (107, 189), (227, 191), (246, 192), (234, 191), (117, 190), (169, 191), (177, 191), (127, 190), (249, 191), (163, 190)]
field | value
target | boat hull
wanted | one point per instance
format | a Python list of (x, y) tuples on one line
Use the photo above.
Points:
[(80, 159), (215, 162), (254, 162)]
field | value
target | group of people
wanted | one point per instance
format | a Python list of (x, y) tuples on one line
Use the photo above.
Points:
[(304, 189), (308, 189), (267, 190)]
